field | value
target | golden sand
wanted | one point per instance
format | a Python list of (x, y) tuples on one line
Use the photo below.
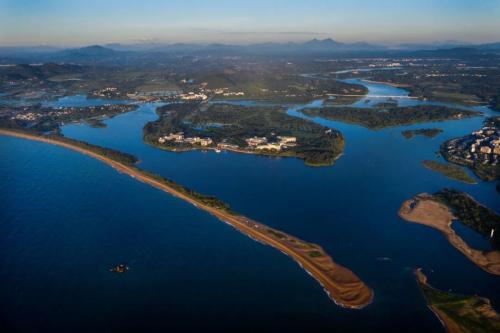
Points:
[(424, 210)]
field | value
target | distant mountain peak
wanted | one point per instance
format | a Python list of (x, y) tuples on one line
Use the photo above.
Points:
[(93, 50), (322, 42)]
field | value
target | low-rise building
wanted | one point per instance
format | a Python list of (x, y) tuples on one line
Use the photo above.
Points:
[(255, 141), (206, 142), (227, 146), (178, 137), (485, 150), (287, 139), (269, 146)]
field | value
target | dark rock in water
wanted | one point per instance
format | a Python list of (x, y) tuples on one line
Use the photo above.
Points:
[(122, 268)]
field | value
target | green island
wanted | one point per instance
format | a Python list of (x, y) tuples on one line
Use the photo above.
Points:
[(471, 213), (245, 129), (428, 132), (479, 151), (459, 313), (388, 115), (449, 170), (340, 283)]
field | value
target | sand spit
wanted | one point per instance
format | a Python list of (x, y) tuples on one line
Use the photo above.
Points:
[(423, 209), (341, 284)]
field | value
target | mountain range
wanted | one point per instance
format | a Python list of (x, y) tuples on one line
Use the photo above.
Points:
[(117, 53)]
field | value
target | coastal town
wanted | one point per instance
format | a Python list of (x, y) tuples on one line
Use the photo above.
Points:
[(198, 92), (481, 147), (45, 118)]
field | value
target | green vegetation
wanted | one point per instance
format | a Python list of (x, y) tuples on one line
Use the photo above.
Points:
[(232, 124), (469, 313), (450, 171), (428, 132), (471, 213), (206, 200), (388, 115), (96, 123), (114, 155), (315, 254), (264, 82), (276, 234), (44, 119), (54, 118), (457, 81)]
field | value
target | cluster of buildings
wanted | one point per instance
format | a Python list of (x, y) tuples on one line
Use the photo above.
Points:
[(106, 92), (33, 116), (30, 116), (219, 91), (180, 138), (255, 143), (191, 96), (226, 92), (391, 64), (262, 143), (33, 113), (482, 146)]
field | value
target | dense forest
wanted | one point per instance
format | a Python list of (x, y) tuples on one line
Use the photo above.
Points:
[(390, 115), (471, 213)]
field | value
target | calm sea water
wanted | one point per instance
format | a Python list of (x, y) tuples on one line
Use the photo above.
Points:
[(67, 219)]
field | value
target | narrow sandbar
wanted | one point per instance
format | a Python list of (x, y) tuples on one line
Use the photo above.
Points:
[(341, 284)]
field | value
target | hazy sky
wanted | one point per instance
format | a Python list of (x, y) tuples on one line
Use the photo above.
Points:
[(80, 22)]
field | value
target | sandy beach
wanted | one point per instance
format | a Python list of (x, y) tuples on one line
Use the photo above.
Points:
[(424, 210)]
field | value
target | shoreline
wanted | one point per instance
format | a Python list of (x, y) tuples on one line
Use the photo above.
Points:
[(447, 323), (247, 152), (340, 283), (458, 313), (422, 209)]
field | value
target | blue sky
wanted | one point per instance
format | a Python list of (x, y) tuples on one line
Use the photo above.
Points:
[(81, 22)]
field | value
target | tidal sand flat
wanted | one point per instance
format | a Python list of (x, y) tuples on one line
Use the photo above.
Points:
[(427, 210), (342, 285), (459, 313)]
